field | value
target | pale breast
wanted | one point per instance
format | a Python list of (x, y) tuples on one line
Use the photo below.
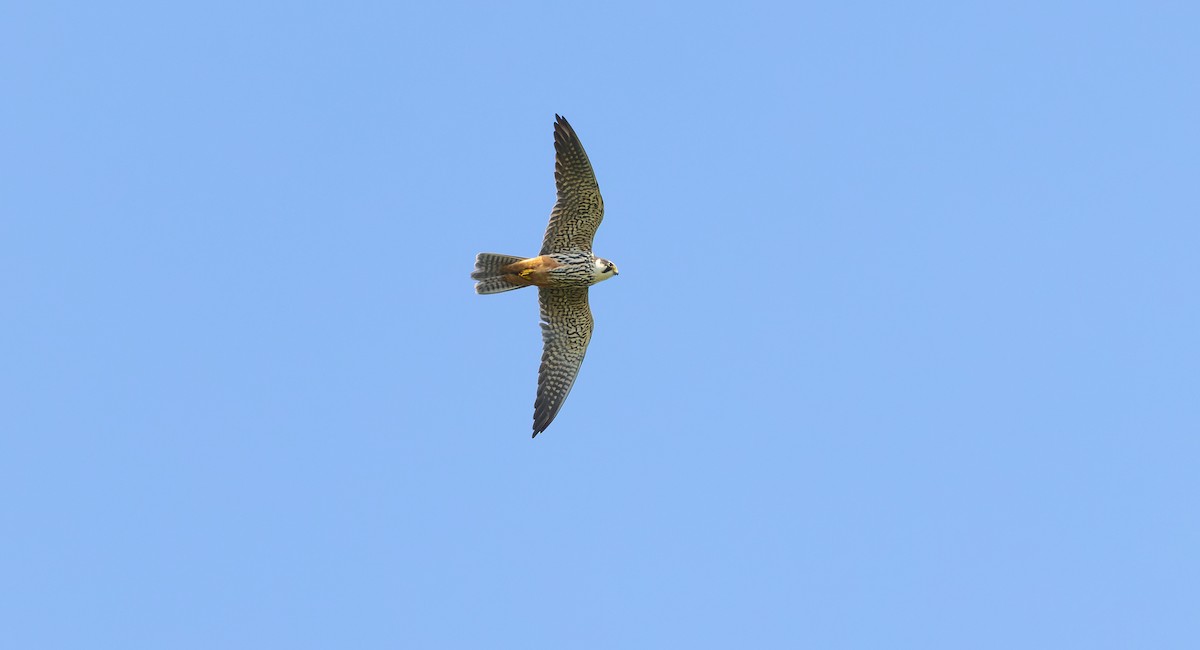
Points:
[(574, 268)]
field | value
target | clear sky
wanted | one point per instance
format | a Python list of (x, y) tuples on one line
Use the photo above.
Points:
[(903, 353)]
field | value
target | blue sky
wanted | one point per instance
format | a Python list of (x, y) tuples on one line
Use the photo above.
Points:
[(903, 352)]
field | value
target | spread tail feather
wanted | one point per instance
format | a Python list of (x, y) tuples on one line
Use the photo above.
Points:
[(488, 273)]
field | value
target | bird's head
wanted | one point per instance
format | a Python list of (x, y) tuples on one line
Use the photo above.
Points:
[(603, 269)]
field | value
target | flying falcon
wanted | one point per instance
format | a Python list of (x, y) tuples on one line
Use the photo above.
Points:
[(562, 272)]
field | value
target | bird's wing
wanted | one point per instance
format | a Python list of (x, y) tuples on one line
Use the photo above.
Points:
[(566, 331), (579, 208)]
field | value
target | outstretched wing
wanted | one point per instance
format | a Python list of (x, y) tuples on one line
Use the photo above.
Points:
[(566, 331), (579, 208)]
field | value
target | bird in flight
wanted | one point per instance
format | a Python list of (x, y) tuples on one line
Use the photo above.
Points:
[(562, 272)]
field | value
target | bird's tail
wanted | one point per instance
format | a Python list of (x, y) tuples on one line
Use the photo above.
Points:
[(488, 273)]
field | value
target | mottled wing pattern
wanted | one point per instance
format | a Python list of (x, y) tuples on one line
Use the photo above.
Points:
[(579, 208), (566, 331)]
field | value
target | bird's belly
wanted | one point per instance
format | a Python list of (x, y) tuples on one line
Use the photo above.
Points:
[(535, 271)]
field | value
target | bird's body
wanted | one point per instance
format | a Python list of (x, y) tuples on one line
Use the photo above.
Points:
[(569, 268), (563, 271)]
